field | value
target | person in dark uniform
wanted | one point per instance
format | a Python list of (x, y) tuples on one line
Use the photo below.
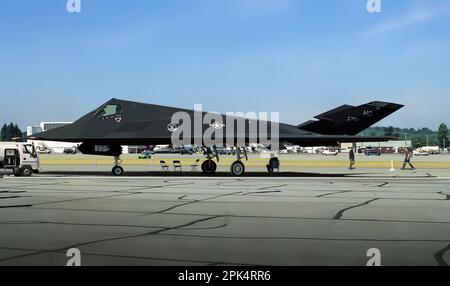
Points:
[(351, 157), (274, 163), (408, 156)]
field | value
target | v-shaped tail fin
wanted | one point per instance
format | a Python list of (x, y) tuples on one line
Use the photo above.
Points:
[(350, 120)]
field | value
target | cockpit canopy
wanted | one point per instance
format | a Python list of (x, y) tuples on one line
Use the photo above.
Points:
[(108, 111)]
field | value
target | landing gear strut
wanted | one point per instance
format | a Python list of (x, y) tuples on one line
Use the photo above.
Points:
[(117, 170), (237, 168), (209, 167)]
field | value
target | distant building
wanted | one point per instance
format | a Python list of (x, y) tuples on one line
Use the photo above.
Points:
[(45, 126), (49, 146), (385, 147)]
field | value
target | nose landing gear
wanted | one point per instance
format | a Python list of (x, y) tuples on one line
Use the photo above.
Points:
[(117, 170)]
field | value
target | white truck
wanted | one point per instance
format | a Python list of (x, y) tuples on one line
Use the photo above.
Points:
[(18, 159), (432, 150)]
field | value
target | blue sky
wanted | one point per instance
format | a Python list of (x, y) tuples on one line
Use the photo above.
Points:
[(297, 57)]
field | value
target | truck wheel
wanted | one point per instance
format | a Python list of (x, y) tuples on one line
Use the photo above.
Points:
[(26, 172)]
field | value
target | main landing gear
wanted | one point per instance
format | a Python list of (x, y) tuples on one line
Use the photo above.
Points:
[(238, 168), (117, 170), (209, 167)]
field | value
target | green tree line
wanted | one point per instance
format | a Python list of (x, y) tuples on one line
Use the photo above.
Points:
[(419, 137), (10, 131)]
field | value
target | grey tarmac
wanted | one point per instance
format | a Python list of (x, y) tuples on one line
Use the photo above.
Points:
[(331, 219)]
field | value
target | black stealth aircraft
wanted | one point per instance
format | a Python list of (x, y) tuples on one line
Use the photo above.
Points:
[(119, 122)]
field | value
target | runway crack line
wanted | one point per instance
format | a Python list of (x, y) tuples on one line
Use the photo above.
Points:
[(302, 238), (262, 192), (332, 193), (139, 235), (113, 238), (273, 187), (90, 198), (447, 196), (439, 256), (14, 197), (340, 213), (193, 202), (15, 206)]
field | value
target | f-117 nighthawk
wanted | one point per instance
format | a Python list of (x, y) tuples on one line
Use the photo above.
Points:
[(120, 122)]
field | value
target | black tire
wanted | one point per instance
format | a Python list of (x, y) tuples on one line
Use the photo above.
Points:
[(237, 168), (117, 171), (26, 172), (209, 167)]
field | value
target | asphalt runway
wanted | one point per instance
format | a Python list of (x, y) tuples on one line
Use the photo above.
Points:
[(328, 219)]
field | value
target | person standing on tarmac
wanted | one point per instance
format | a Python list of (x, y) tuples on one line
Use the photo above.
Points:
[(351, 156), (408, 156)]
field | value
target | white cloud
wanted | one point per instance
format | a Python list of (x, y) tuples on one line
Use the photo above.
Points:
[(411, 18)]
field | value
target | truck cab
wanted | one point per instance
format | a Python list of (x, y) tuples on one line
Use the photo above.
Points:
[(19, 159)]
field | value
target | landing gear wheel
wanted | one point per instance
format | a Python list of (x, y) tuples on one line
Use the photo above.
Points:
[(26, 172), (117, 171), (237, 168), (209, 167)]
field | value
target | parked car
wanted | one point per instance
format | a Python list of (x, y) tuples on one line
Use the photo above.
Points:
[(145, 155), (329, 152), (372, 152), (163, 149), (70, 151), (185, 151), (420, 153)]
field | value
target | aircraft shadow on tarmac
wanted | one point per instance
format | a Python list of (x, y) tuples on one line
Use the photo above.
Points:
[(200, 175)]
